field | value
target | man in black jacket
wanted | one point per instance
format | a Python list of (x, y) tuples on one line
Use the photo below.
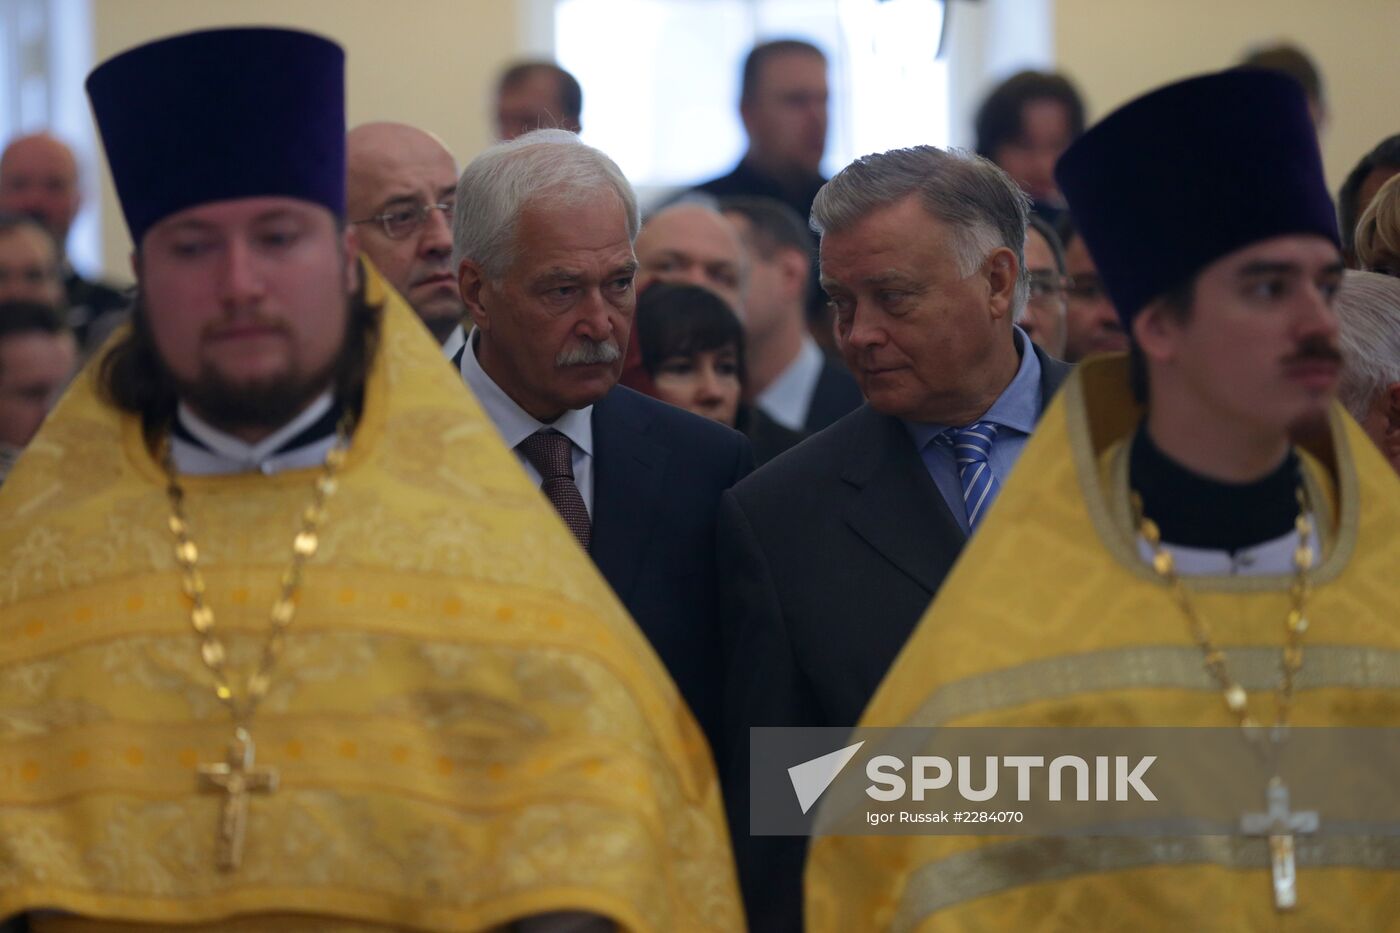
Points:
[(542, 243), (790, 378), (830, 554)]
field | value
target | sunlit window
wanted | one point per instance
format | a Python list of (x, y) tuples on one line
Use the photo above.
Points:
[(45, 52), (661, 77)]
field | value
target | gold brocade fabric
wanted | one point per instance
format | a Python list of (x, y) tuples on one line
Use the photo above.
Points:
[(1051, 618), (468, 727)]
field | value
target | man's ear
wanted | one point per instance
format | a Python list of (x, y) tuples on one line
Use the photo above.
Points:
[(794, 269), (471, 282), (1154, 331), (1001, 270), (746, 117), (1390, 407)]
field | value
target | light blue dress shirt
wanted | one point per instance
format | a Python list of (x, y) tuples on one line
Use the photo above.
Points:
[(1014, 412)]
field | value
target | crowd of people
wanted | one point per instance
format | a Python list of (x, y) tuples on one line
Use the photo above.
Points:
[(576, 498)]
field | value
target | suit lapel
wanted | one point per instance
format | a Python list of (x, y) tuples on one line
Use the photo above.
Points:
[(1053, 373), (898, 510), (628, 470), (817, 411)]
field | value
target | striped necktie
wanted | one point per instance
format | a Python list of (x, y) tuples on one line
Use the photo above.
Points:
[(972, 446)]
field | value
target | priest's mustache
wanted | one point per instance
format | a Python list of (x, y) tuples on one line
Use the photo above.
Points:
[(588, 352), (1315, 350), (237, 321)]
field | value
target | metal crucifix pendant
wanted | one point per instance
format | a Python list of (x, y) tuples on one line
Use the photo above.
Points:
[(236, 778), (1280, 824)]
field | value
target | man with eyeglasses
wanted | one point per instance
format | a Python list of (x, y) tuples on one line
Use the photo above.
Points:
[(400, 183), (1043, 317), (1091, 321)]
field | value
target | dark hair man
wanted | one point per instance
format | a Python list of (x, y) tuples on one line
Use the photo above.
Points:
[(1092, 324), (790, 379), (37, 358), (536, 95), (782, 101), (1359, 189), (1043, 319), (1290, 60), (29, 269), (1175, 562), (1023, 125)]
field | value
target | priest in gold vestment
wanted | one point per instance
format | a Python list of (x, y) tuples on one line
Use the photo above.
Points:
[(287, 640), (1165, 553)]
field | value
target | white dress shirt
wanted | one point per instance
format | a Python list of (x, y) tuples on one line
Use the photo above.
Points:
[(515, 424), (223, 453), (454, 341), (1272, 557), (789, 397)]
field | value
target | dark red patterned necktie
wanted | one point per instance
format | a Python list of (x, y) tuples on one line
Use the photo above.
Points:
[(551, 453)]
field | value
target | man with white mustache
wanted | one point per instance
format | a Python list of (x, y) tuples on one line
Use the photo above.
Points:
[(542, 244)]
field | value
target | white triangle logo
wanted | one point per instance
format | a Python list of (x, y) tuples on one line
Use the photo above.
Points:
[(811, 778)]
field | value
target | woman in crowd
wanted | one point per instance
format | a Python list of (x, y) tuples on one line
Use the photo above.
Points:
[(1378, 231), (693, 349)]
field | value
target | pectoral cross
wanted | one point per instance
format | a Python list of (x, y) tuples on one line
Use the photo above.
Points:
[(236, 778), (1279, 824)]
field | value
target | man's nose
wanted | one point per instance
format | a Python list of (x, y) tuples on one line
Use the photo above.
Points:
[(594, 316), (864, 331), (1105, 314), (1044, 171), (241, 278), (1318, 318), (435, 239)]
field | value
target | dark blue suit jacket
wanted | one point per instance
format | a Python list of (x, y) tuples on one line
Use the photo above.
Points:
[(658, 474), (836, 396)]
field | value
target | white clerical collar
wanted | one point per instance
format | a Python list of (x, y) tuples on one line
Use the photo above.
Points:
[(455, 341), (513, 422), (1273, 557), (788, 398), (218, 453)]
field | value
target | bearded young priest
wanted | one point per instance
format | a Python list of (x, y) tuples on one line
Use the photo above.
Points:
[(1165, 553), (287, 640)]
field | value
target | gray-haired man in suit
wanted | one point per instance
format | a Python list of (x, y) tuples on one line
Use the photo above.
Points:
[(829, 554)]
